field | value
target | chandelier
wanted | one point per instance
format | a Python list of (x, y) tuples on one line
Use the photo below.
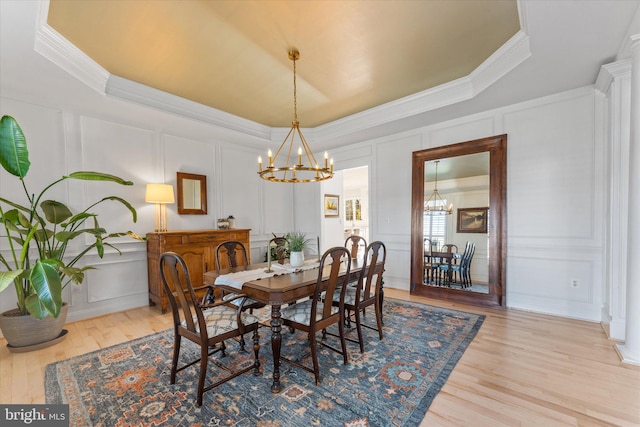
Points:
[(434, 205), (307, 171)]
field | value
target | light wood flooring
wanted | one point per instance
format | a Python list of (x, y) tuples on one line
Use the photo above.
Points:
[(522, 369)]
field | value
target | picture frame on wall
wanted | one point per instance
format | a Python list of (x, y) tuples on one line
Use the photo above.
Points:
[(472, 220), (331, 206)]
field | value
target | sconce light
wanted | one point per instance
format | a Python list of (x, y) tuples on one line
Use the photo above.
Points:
[(160, 194)]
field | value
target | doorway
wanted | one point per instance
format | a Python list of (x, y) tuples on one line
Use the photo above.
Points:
[(355, 196)]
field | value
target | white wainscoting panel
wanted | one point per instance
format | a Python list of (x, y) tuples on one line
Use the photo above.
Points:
[(190, 156), (240, 187), (551, 169), (119, 150), (393, 185), (115, 285)]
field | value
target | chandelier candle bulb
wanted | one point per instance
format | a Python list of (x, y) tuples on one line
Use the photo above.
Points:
[(331, 169), (260, 163), (270, 158), (300, 156), (326, 159)]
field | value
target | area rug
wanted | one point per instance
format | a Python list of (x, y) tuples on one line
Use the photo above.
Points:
[(391, 384)]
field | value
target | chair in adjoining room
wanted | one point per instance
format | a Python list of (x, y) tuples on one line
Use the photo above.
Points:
[(355, 244), (314, 315), (206, 325), (367, 293)]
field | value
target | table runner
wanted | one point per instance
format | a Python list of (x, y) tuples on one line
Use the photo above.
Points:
[(237, 279)]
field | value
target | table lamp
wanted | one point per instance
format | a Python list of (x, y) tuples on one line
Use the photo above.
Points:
[(160, 194)]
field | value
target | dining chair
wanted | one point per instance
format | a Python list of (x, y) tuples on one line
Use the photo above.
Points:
[(355, 244), (427, 273), (204, 324), (465, 272), (231, 253), (444, 265), (315, 315), (457, 269), (279, 243), (449, 248), (368, 292)]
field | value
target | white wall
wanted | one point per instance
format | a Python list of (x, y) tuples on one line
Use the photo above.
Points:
[(555, 180), (554, 204)]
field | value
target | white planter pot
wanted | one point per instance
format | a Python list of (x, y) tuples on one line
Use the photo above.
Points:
[(296, 259)]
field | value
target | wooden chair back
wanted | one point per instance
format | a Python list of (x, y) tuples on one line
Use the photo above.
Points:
[(449, 248), (231, 253), (279, 243), (354, 244), (376, 256), (182, 297), (326, 287)]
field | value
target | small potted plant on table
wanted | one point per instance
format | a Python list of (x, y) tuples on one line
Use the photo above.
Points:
[(296, 242)]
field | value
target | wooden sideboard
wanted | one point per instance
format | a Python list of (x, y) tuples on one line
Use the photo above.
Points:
[(197, 248)]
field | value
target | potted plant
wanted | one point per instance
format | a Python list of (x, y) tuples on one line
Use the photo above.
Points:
[(296, 242), (38, 232)]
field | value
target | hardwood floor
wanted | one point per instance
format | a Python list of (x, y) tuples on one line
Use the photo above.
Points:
[(522, 369)]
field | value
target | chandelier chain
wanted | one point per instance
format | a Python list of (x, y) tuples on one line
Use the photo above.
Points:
[(295, 90)]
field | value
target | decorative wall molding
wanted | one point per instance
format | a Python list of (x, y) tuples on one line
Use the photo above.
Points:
[(53, 46)]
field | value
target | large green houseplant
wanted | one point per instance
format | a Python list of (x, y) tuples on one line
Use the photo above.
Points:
[(37, 233)]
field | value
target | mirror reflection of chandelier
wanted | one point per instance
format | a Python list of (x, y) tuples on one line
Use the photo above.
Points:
[(307, 171), (434, 205)]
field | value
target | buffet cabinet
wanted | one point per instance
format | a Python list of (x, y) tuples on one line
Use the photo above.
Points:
[(197, 248)]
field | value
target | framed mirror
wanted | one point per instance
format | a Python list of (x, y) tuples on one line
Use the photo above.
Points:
[(192, 194), (472, 178)]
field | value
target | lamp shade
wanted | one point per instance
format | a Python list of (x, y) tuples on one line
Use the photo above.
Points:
[(159, 193)]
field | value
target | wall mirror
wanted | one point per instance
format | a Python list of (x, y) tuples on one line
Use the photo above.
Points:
[(192, 194), (471, 176)]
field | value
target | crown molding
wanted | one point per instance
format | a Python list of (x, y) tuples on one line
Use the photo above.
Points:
[(126, 89), (61, 52), (53, 46), (501, 62), (610, 71)]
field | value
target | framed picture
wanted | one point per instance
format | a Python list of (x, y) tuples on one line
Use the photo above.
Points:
[(472, 220), (331, 205)]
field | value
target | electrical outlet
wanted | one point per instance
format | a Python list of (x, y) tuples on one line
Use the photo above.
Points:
[(574, 283)]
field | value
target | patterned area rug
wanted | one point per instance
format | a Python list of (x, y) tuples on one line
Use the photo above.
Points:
[(391, 384)]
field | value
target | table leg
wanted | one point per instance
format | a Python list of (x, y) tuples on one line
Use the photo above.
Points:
[(276, 342)]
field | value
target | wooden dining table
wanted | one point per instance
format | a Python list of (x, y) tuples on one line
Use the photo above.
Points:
[(275, 291)]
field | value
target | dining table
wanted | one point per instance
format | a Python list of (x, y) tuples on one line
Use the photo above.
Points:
[(280, 286)]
